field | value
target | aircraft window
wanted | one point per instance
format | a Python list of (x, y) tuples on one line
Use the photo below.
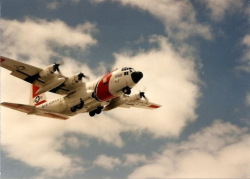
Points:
[(125, 68), (125, 73)]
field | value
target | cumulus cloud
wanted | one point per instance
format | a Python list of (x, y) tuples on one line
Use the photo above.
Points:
[(248, 99), (247, 12), (96, 1), (217, 151), (218, 9), (107, 162), (134, 159), (179, 17), (35, 39), (171, 80), (245, 60), (53, 5)]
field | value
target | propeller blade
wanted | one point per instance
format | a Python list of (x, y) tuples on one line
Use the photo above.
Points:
[(81, 75), (56, 68), (142, 95)]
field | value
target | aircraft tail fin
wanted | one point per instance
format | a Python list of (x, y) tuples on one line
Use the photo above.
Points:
[(36, 99)]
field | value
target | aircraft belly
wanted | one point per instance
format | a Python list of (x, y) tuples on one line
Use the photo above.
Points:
[(88, 106), (52, 106)]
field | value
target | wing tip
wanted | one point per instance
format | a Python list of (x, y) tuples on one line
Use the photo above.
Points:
[(154, 106)]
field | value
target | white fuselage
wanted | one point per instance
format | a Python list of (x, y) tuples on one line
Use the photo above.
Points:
[(94, 94)]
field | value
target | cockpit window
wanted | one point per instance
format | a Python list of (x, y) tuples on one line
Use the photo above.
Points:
[(129, 69)]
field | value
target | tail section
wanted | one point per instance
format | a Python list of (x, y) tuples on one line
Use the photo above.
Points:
[(36, 99), (33, 110)]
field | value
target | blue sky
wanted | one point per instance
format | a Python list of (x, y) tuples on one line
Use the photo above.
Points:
[(196, 63)]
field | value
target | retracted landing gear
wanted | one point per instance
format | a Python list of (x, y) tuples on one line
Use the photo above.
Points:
[(96, 111), (92, 113), (78, 106), (73, 109)]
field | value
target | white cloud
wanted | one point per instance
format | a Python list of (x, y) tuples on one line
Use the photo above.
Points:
[(34, 141), (171, 80), (107, 162), (96, 1), (53, 5), (134, 159), (217, 151), (245, 60), (248, 99), (247, 12), (56, 4), (219, 8), (179, 17), (36, 38)]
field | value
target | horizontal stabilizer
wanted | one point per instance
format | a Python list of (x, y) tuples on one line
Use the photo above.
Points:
[(19, 107), (33, 110), (51, 114)]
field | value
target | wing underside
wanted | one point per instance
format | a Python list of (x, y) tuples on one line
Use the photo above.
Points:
[(30, 74), (141, 104)]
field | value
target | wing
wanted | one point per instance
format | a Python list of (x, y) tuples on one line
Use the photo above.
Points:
[(140, 104), (32, 110), (30, 74)]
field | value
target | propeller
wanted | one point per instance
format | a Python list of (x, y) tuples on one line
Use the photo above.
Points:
[(81, 75), (56, 67), (142, 95)]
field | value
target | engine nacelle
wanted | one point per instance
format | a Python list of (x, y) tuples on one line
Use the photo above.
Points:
[(72, 80), (116, 103), (49, 85), (135, 97), (47, 71)]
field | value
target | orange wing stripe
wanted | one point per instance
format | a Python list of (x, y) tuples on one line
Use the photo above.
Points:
[(154, 106), (54, 115)]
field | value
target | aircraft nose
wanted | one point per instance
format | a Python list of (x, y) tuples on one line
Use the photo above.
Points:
[(136, 76)]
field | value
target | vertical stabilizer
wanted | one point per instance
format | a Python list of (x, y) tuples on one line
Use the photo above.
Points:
[(36, 99)]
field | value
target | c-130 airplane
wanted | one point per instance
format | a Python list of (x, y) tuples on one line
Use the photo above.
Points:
[(102, 94)]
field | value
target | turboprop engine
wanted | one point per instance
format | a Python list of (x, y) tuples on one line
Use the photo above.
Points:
[(54, 81), (136, 97), (49, 70), (51, 84), (114, 103), (75, 79)]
